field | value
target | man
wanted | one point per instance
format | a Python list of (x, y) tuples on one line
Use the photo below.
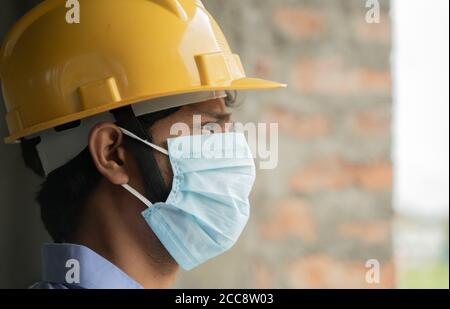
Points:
[(106, 111)]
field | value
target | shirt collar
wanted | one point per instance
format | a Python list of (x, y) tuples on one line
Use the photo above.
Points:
[(95, 272)]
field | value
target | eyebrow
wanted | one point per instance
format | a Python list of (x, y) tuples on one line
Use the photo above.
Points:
[(221, 116)]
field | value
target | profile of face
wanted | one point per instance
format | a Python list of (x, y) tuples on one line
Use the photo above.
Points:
[(117, 166)]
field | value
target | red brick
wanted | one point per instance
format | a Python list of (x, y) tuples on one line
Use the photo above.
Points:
[(335, 174), (374, 122), (304, 127), (264, 278), (290, 218), (323, 271), (370, 233), (321, 175), (300, 22), (374, 177), (373, 33), (334, 77), (374, 80)]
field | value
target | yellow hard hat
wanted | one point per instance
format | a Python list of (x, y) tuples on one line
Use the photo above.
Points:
[(122, 52)]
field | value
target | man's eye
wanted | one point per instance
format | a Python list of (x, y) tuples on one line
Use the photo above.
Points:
[(211, 128)]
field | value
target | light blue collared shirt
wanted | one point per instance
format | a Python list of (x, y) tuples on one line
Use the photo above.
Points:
[(69, 266)]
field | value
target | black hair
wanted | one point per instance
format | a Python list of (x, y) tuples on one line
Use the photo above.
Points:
[(65, 191)]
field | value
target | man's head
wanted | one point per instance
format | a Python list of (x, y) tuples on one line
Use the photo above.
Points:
[(86, 191), (112, 62)]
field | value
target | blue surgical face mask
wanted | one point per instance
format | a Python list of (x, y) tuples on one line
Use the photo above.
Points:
[(208, 206)]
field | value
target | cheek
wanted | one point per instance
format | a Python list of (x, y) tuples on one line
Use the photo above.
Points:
[(135, 176), (165, 168)]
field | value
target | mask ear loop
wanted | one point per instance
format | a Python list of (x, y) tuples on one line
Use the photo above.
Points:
[(127, 187), (138, 195), (156, 147)]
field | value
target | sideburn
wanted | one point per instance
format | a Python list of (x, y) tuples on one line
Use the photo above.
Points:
[(155, 187)]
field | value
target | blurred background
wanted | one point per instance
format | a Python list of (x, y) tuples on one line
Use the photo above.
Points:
[(363, 169)]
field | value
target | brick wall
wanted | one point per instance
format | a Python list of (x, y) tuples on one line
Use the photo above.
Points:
[(326, 209)]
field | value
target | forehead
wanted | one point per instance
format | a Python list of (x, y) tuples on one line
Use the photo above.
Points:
[(214, 105)]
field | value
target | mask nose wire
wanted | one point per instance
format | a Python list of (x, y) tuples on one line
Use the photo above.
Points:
[(156, 147)]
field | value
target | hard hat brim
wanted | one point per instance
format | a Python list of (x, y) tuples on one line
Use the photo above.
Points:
[(239, 84), (248, 83)]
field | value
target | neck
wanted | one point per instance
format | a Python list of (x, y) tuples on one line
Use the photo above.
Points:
[(123, 237)]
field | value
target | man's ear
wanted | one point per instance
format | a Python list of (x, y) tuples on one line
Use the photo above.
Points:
[(108, 153)]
